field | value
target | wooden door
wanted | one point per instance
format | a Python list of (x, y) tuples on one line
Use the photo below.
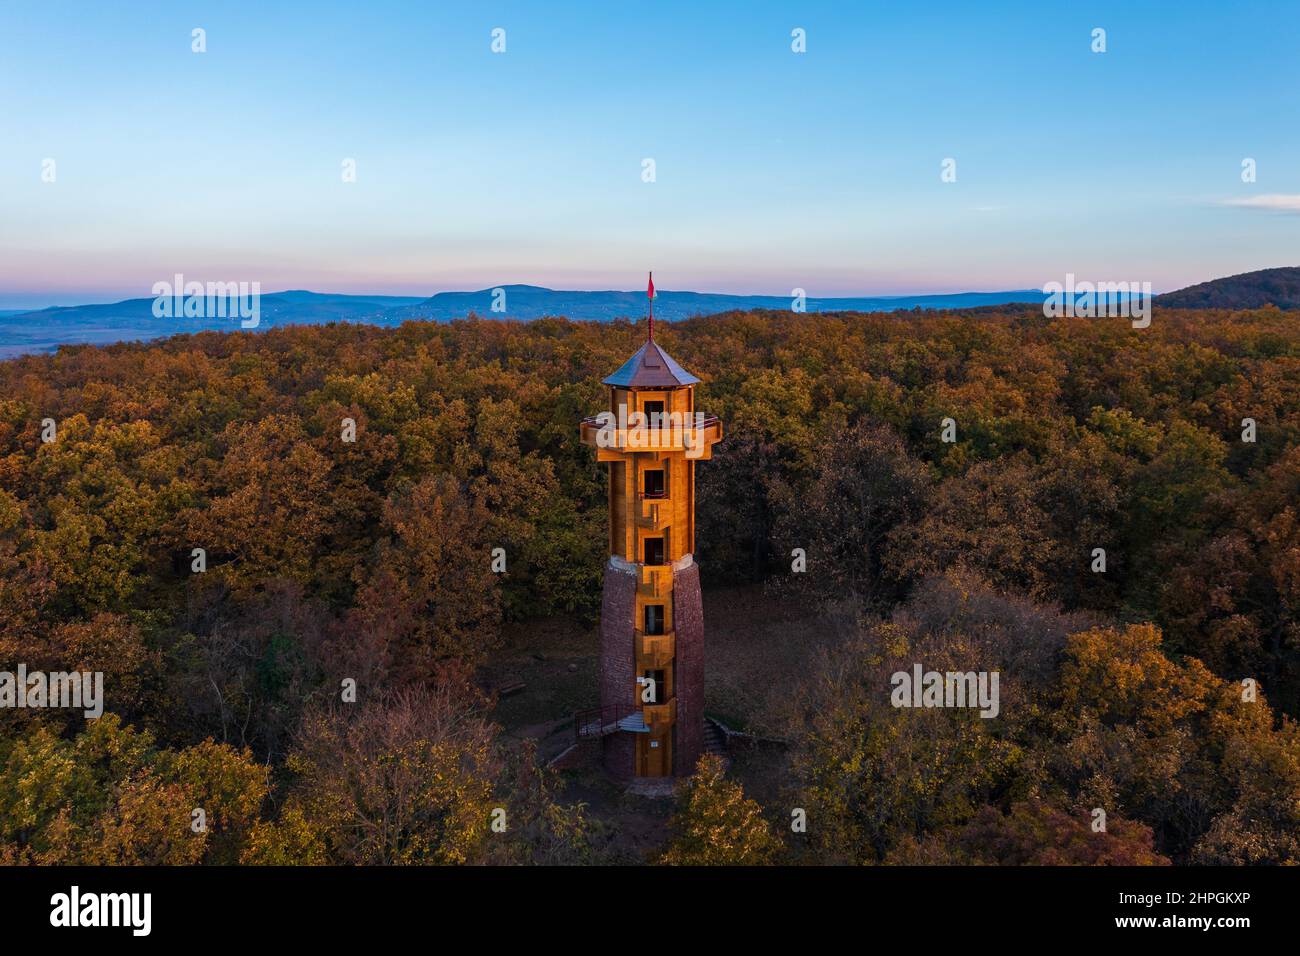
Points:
[(654, 755)]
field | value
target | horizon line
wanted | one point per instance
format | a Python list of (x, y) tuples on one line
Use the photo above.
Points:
[(89, 301)]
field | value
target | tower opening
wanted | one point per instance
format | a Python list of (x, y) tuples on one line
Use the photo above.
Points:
[(653, 484)]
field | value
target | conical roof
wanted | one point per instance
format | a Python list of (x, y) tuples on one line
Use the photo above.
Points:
[(651, 367)]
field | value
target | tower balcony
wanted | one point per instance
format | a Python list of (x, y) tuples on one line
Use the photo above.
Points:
[(654, 513), (695, 437), (655, 651), (660, 716), (654, 580)]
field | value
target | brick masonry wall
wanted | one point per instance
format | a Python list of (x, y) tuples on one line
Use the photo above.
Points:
[(618, 664), (688, 622)]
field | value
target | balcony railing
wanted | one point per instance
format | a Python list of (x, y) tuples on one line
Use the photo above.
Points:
[(655, 651), (662, 438)]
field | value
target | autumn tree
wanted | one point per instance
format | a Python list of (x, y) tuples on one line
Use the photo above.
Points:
[(431, 593), (406, 779), (866, 486), (110, 796), (875, 776), (717, 825), (734, 509), (271, 506), (1197, 758), (1034, 833)]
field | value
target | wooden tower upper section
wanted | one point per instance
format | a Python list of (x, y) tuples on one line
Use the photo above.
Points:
[(651, 437)]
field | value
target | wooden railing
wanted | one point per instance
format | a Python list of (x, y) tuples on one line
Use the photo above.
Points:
[(663, 438)]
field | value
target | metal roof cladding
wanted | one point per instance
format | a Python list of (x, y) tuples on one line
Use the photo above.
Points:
[(651, 367)]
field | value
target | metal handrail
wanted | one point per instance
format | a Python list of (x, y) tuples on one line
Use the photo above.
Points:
[(591, 723)]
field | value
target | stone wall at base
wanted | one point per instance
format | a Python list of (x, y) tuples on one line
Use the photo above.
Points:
[(688, 624), (618, 664)]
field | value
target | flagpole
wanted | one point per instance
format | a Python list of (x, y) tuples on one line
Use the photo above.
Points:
[(651, 296)]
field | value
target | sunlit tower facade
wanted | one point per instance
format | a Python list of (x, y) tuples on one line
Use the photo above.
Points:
[(651, 716)]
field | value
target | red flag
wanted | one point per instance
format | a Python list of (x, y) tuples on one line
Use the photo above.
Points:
[(650, 294)]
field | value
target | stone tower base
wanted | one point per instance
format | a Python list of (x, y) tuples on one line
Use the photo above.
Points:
[(688, 623), (618, 666)]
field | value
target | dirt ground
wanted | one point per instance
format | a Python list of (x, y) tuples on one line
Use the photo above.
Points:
[(754, 646)]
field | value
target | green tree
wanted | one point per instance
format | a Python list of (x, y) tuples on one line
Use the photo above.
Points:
[(717, 825)]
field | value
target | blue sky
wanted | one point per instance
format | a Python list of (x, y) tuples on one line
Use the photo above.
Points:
[(774, 170)]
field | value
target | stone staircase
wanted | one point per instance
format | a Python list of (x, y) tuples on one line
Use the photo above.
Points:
[(715, 739)]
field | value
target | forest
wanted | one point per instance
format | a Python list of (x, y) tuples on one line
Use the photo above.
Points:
[(294, 616)]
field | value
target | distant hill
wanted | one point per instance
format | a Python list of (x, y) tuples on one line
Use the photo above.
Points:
[(133, 319), (534, 302), (1250, 290)]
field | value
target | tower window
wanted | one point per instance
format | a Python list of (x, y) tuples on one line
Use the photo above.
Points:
[(654, 483), (654, 411), (654, 619), (654, 550)]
